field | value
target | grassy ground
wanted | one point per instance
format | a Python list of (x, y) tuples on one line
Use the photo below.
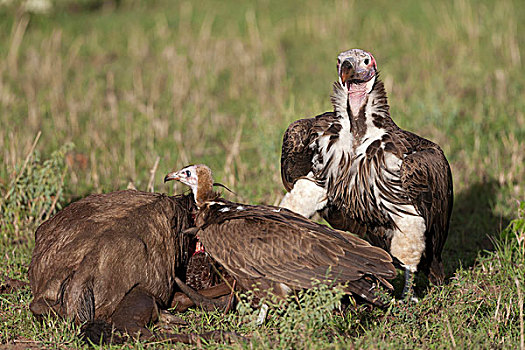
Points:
[(130, 83)]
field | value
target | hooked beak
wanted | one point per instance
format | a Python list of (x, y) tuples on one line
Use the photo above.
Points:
[(347, 70), (352, 71), (172, 176)]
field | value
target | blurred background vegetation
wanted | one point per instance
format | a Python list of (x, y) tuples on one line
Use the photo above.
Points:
[(133, 82)]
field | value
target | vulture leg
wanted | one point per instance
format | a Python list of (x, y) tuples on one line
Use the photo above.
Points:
[(408, 291), (198, 299), (305, 198)]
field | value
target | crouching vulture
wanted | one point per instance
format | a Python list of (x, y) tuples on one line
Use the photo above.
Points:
[(276, 249), (364, 174), (111, 260)]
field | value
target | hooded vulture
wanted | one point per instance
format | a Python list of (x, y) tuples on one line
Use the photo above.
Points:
[(364, 174), (275, 248)]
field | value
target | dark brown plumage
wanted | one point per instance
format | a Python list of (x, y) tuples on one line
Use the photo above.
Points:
[(275, 248), (364, 174), (111, 258), (203, 272)]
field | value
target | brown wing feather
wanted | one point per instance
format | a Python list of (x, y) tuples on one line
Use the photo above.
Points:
[(283, 247), (427, 179), (297, 151), (296, 156)]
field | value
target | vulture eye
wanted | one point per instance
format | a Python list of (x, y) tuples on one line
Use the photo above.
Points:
[(187, 173), (367, 61)]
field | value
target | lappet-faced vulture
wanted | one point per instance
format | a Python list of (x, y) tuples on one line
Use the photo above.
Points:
[(366, 175), (277, 249)]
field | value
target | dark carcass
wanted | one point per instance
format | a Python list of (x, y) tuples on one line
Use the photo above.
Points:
[(111, 258)]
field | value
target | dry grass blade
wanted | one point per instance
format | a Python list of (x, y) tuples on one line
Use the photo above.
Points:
[(496, 313), (56, 197), (234, 153), (450, 333), (28, 157), (153, 171), (16, 39), (520, 303)]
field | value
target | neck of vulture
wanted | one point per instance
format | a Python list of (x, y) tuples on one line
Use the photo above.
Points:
[(373, 105), (204, 190)]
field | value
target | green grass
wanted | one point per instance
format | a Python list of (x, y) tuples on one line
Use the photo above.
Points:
[(217, 83)]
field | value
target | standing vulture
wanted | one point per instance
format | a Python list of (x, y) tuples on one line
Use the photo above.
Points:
[(364, 174), (111, 258), (277, 249)]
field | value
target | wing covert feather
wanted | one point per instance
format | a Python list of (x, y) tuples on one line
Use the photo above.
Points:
[(429, 186), (287, 248), (297, 149)]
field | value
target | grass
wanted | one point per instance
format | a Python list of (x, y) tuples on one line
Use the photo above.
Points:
[(129, 82)]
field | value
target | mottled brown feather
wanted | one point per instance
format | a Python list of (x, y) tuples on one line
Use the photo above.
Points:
[(423, 182), (297, 150), (271, 245)]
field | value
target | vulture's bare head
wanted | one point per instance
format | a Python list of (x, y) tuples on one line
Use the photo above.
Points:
[(198, 177), (357, 70)]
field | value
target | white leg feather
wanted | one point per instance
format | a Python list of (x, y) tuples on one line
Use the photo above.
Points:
[(408, 243), (306, 198)]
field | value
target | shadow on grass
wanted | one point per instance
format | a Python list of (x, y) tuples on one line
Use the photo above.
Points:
[(472, 224)]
